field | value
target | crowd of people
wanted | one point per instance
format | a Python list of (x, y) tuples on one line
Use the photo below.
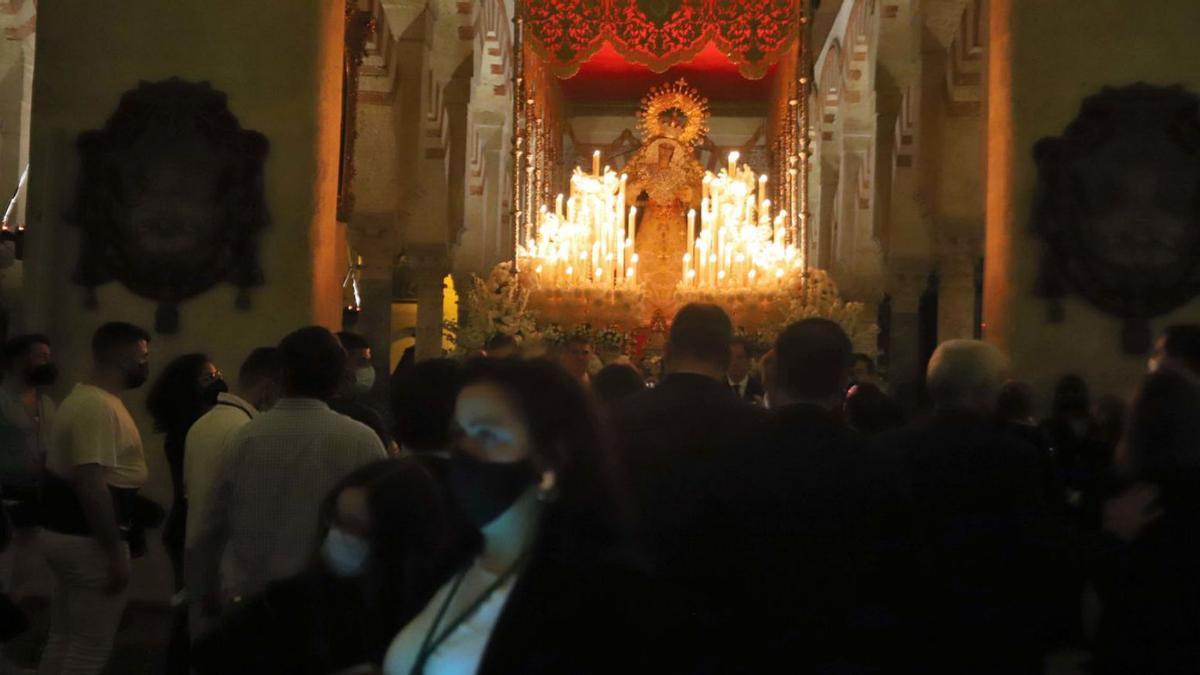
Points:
[(748, 513)]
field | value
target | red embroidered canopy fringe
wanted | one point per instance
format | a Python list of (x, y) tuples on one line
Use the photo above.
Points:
[(753, 34)]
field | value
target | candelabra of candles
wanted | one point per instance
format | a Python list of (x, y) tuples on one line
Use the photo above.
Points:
[(589, 239), (740, 245)]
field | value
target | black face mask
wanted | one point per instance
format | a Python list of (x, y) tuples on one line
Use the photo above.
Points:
[(214, 389), (138, 376), (43, 375), (484, 490)]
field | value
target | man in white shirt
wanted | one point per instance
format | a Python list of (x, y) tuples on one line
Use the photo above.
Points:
[(264, 505), (94, 467)]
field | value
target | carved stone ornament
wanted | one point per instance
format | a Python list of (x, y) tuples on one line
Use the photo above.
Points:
[(1118, 207), (170, 198)]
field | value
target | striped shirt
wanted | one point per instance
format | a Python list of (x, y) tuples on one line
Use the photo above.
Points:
[(264, 504)]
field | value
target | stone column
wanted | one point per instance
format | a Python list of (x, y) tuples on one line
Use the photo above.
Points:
[(1044, 59), (280, 67), (957, 257), (375, 286), (907, 280), (463, 283), (430, 264)]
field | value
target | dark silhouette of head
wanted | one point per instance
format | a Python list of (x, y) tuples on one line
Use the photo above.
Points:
[(1071, 397), (178, 398), (423, 404), (871, 411), (1179, 344), (813, 358), (1014, 405), (1162, 442), (501, 346), (616, 381), (312, 362), (699, 340)]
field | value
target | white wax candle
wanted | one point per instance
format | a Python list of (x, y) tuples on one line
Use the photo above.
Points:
[(596, 163), (733, 159), (691, 245), (633, 227)]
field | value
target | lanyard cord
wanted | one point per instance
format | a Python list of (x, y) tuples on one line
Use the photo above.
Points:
[(430, 644)]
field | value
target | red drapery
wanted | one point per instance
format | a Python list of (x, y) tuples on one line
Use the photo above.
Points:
[(662, 33)]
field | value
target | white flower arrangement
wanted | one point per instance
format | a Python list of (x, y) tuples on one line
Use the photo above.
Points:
[(612, 339), (815, 295), (496, 305)]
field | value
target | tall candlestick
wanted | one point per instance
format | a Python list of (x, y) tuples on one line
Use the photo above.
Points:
[(596, 163)]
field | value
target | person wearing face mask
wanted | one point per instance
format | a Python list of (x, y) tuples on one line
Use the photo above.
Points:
[(260, 520), (386, 532), (187, 389), (26, 414), (356, 393), (550, 587), (95, 466)]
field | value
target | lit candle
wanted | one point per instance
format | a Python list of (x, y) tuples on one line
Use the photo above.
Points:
[(691, 247), (558, 206), (595, 162), (633, 227), (687, 263), (620, 260), (762, 188), (733, 159)]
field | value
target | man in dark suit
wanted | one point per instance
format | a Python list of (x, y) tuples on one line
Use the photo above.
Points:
[(980, 536), (799, 526), (744, 384), (689, 416), (663, 436)]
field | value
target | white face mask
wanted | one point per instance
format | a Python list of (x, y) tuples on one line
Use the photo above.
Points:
[(364, 378), (345, 554)]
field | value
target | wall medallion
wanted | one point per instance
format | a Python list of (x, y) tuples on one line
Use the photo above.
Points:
[(170, 198), (1117, 207)]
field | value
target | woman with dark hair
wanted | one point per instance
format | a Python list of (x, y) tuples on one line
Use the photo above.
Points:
[(386, 539), (616, 381), (550, 588), (185, 390), (1079, 459), (1151, 590), (423, 398)]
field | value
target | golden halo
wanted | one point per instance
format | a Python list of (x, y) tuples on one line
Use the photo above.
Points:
[(675, 111)]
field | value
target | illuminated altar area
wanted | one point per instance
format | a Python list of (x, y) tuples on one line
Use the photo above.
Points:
[(611, 238)]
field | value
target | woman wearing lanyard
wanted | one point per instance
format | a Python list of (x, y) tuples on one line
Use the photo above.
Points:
[(550, 588)]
